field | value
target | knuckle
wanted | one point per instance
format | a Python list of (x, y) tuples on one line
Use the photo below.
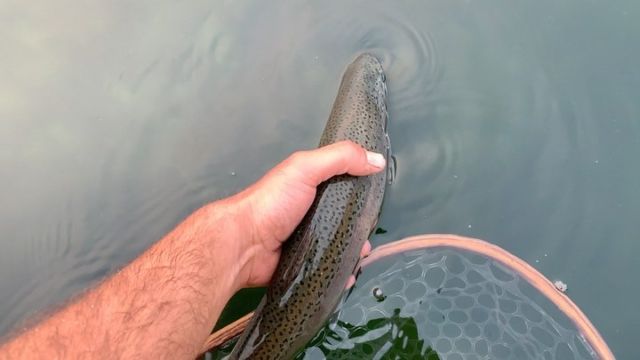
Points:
[(296, 157), (350, 145), (351, 149)]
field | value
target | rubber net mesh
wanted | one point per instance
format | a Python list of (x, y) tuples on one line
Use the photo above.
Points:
[(446, 303)]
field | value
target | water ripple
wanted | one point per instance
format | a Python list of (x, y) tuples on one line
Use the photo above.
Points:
[(409, 56)]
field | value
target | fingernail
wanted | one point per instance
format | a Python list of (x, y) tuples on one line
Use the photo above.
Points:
[(375, 159)]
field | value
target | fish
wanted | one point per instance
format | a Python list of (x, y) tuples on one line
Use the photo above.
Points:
[(324, 250)]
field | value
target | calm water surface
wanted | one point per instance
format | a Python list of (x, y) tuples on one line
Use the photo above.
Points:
[(516, 122)]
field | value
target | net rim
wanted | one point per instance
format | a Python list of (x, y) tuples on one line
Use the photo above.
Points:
[(477, 246), (533, 276)]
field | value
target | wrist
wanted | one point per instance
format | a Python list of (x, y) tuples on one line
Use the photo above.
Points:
[(229, 220)]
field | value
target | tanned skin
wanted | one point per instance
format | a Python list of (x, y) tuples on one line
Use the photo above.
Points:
[(165, 302)]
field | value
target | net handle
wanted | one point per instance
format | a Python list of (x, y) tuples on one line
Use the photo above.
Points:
[(533, 276)]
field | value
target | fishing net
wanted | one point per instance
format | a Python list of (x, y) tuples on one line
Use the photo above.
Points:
[(447, 297)]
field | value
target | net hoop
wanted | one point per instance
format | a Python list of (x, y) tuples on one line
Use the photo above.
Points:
[(481, 247)]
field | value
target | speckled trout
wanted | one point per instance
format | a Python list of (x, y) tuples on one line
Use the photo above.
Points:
[(324, 250)]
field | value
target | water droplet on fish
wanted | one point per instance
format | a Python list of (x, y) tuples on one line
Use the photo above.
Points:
[(469, 226), (233, 173)]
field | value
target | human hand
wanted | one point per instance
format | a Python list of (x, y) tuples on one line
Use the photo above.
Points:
[(268, 211)]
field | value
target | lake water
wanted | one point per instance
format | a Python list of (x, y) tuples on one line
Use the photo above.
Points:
[(515, 122)]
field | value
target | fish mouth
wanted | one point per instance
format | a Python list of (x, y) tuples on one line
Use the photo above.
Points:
[(371, 62)]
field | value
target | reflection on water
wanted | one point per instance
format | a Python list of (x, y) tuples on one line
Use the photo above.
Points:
[(516, 123)]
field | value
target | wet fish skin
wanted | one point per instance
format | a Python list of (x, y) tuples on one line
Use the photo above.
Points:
[(324, 250)]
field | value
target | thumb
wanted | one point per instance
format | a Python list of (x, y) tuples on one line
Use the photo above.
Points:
[(344, 157)]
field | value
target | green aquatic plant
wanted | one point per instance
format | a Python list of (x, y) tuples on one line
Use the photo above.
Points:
[(380, 231), (394, 337)]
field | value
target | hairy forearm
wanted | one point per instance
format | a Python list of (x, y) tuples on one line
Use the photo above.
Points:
[(162, 305)]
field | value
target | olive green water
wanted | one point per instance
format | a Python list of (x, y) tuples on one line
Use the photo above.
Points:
[(516, 122)]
